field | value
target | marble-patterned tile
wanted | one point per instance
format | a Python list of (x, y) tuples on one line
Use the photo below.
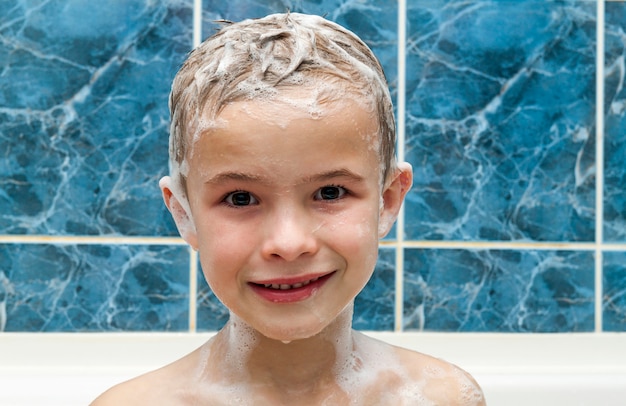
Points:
[(83, 116), (499, 291), (373, 308), (500, 120), (45, 288), (615, 123), (614, 292)]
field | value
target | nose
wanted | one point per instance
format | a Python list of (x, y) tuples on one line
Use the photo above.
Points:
[(289, 235)]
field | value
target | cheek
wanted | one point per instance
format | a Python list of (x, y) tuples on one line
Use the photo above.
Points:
[(218, 236), (366, 238), (219, 274), (357, 232), (219, 253), (360, 250), (222, 250)]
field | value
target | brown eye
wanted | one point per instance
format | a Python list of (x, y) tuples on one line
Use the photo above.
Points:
[(240, 199), (330, 193)]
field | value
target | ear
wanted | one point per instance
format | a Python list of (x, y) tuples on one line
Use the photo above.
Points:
[(179, 208), (393, 195)]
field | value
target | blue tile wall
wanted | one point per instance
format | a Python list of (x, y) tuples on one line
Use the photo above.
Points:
[(499, 234), (496, 290), (614, 276), (614, 293), (501, 127), (615, 125), (84, 107), (52, 287)]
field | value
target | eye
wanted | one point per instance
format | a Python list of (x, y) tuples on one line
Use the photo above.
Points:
[(330, 193), (240, 198)]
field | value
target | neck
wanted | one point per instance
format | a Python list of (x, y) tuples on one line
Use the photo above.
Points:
[(294, 366)]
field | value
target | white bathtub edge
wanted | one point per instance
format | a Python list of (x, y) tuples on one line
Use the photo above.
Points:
[(513, 369)]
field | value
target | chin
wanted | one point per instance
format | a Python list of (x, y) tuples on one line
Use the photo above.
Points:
[(292, 332), (299, 322)]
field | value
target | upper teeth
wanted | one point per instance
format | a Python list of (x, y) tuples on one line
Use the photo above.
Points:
[(284, 286)]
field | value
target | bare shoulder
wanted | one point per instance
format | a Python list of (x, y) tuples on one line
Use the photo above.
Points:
[(159, 387), (147, 389), (439, 381), (119, 394)]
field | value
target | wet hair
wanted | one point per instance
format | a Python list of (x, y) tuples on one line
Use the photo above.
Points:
[(256, 58)]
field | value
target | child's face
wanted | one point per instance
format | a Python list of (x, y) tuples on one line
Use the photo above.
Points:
[(286, 210)]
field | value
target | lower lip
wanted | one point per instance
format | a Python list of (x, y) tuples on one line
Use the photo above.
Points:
[(290, 295)]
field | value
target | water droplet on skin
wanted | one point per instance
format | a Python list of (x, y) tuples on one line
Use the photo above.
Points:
[(286, 341)]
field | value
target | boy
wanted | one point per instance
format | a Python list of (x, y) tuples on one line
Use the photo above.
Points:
[(283, 178)]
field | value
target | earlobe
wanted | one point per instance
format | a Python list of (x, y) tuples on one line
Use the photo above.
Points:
[(393, 196), (179, 208)]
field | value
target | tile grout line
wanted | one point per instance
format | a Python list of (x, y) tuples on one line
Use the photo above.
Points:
[(197, 23), (193, 255), (401, 136), (509, 245), (599, 235), (438, 244), (88, 239)]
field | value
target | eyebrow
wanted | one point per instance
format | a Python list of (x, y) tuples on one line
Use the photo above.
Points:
[(334, 174), (250, 177), (234, 176)]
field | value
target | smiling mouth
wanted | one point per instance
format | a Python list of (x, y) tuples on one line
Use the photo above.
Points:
[(279, 292), (284, 286)]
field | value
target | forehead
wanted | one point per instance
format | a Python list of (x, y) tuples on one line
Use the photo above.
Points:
[(309, 92), (288, 130), (322, 105)]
